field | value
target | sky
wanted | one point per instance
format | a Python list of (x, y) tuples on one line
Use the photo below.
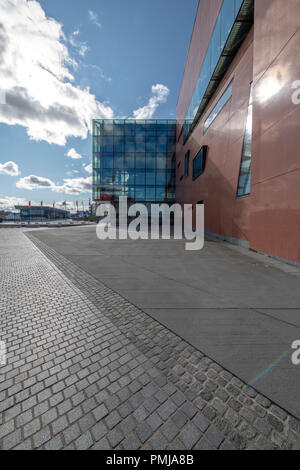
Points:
[(66, 62)]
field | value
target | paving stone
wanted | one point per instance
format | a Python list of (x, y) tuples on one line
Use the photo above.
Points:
[(31, 428), (226, 446), (12, 440), (189, 410), (170, 430), (7, 428), (144, 431), (275, 423), (189, 436), (158, 442), (115, 437), (263, 427), (100, 412), (213, 435), (110, 365), (166, 409), (74, 414), (263, 401), (54, 444), (113, 419), (125, 410), (128, 424), (103, 444), (140, 414), (84, 442), (131, 443), (201, 422), (154, 421), (59, 425), (204, 444), (99, 431), (71, 433), (41, 437)]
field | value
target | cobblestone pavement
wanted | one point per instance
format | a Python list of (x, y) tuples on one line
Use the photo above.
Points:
[(88, 370)]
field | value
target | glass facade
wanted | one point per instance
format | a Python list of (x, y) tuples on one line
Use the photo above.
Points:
[(134, 158), (233, 22), (218, 108), (244, 184)]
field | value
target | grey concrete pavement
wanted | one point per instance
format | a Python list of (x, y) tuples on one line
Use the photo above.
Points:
[(86, 369), (242, 312)]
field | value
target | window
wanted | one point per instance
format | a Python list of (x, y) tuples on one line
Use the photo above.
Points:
[(232, 25), (244, 183), (186, 163), (199, 162), (218, 108)]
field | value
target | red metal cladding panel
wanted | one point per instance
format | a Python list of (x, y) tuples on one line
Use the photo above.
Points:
[(270, 56)]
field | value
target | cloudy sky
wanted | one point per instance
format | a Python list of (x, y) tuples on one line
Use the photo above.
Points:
[(65, 62)]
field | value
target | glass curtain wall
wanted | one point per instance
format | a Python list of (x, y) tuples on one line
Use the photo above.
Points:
[(225, 21), (134, 158)]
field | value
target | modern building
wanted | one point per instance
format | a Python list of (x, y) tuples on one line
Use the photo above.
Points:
[(134, 158), (41, 213), (238, 139)]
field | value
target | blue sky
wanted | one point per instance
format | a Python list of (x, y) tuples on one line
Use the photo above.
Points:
[(66, 62)]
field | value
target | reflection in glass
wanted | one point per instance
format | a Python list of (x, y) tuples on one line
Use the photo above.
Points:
[(244, 183), (219, 106), (137, 159), (224, 24)]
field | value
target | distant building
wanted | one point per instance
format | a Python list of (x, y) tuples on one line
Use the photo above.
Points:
[(44, 213), (12, 216)]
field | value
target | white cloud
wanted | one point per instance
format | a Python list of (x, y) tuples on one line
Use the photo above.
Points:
[(73, 154), (8, 203), (72, 186), (89, 168), (94, 18), (76, 186), (160, 94), (35, 75), (9, 168), (34, 182), (80, 46)]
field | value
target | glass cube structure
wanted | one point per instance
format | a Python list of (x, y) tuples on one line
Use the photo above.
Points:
[(134, 158)]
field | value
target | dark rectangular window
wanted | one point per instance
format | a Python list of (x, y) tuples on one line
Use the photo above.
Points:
[(186, 163), (199, 162)]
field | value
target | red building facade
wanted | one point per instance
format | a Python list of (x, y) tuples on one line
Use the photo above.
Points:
[(238, 148)]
